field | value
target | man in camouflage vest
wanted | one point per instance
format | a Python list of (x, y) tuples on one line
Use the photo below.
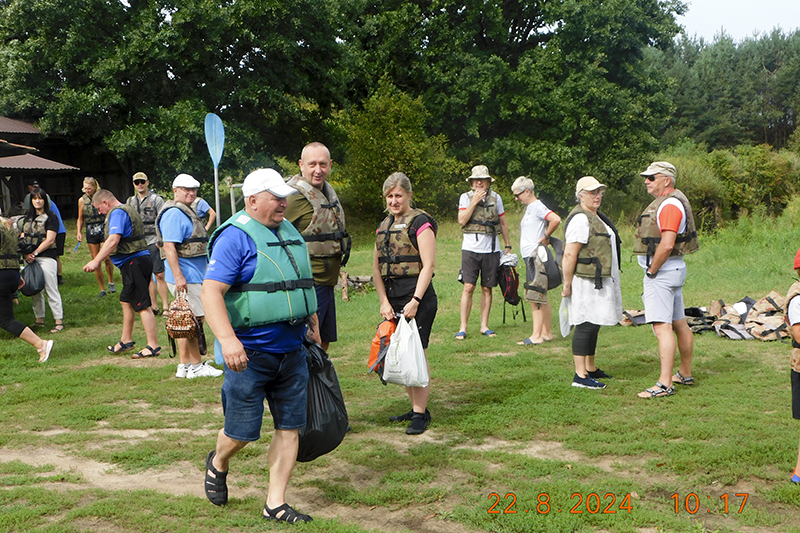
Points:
[(148, 203), (665, 233), (318, 215), (126, 245), (185, 242)]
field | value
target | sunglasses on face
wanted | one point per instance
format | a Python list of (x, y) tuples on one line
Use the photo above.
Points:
[(650, 178), (139, 182)]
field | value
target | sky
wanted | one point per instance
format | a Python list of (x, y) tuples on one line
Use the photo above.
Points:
[(739, 18)]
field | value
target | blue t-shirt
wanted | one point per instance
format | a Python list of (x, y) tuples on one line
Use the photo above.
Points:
[(57, 213), (176, 227), (119, 223), (233, 262), (202, 208)]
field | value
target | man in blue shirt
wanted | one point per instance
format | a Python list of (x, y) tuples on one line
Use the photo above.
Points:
[(259, 316), (126, 245), (185, 242)]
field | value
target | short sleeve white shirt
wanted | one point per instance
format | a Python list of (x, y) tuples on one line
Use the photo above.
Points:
[(532, 227)]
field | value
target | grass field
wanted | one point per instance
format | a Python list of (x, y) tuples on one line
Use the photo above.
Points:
[(102, 443)]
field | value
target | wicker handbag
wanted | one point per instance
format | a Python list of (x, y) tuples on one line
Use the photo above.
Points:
[(181, 323)]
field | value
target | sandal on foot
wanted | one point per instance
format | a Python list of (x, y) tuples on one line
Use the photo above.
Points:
[(677, 378), (156, 311), (216, 485), (154, 352), (36, 325), (489, 333), (657, 391), (44, 351), (527, 342), (287, 514), (123, 347), (461, 335), (57, 328)]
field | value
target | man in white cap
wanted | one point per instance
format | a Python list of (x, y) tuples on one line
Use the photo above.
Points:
[(480, 212), (184, 241), (148, 204), (666, 232), (259, 292)]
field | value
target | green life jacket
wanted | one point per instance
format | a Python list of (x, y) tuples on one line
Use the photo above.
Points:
[(9, 259), (648, 235), (282, 287), (134, 243), (147, 210), (197, 243), (594, 257), (397, 255), (325, 235), (91, 216), (34, 230)]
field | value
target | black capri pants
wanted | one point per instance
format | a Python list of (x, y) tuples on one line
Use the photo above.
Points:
[(9, 282), (584, 339)]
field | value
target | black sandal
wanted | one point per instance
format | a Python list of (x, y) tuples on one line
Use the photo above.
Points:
[(216, 485), (289, 515), (154, 352), (123, 347)]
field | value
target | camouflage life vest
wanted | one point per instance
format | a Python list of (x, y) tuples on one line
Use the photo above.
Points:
[(205, 217), (397, 255), (92, 217), (484, 218), (648, 235), (794, 290), (325, 235), (134, 243), (34, 230), (282, 287), (9, 259), (147, 210), (197, 243), (594, 257)]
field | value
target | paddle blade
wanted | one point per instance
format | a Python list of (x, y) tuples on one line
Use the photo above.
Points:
[(215, 137)]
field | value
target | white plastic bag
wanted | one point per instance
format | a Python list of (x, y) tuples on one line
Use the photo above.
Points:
[(405, 359), (563, 316)]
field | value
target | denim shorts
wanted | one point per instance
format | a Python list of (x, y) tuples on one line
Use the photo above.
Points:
[(326, 312), (280, 378)]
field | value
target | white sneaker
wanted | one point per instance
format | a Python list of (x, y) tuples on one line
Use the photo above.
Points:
[(182, 371), (205, 371)]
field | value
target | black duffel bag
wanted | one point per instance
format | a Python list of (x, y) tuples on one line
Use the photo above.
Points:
[(33, 276)]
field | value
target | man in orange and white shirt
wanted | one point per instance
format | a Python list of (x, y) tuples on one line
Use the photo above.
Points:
[(666, 232)]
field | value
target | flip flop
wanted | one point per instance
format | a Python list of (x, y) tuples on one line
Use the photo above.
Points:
[(489, 333), (461, 335), (527, 342)]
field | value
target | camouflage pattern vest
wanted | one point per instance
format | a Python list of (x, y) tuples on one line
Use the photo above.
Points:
[(134, 243), (9, 259), (794, 363), (648, 235), (325, 235), (397, 255), (147, 210), (197, 243), (594, 257), (204, 218), (91, 216), (34, 230), (485, 218)]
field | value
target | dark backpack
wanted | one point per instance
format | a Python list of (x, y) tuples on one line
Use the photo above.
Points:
[(509, 284)]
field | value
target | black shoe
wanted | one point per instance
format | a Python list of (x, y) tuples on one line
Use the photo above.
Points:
[(598, 374), (405, 417), (419, 423), (60, 279)]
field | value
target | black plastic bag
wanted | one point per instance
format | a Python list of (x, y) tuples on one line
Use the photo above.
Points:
[(33, 276), (326, 414)]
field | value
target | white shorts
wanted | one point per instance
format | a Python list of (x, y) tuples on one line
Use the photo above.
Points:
[(663, 296), (193, 295)]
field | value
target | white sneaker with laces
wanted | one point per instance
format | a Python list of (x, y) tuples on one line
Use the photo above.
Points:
[(205, 371), (182, 371)]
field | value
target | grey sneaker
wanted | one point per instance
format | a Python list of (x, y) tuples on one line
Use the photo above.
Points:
[(587, 383), (205, 371), (102, 293), (182, 371), (112, 288)]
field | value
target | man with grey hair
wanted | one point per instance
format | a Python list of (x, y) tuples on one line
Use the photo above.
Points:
[(259, 293), (666, 232)]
